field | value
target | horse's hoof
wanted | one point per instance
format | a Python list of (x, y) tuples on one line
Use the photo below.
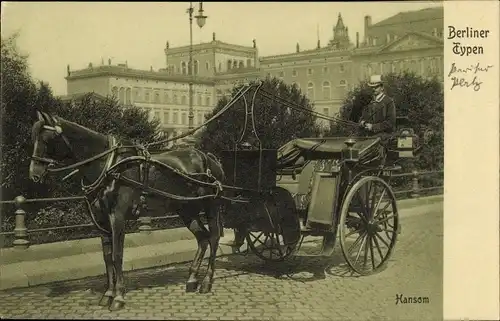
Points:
[(206, 287), (116, 305), (105, 301), (191, 286)]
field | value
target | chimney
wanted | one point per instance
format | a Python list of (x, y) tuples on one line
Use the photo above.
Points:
[(357, 39), (319, 44), (298, 47), (368, 23), (213, 36)]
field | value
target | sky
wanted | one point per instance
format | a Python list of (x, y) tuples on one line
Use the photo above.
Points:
[(55, 34)]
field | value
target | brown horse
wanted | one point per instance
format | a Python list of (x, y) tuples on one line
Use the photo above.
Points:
[(111, 201)]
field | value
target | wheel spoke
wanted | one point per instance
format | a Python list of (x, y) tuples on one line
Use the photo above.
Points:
[(383, 241), (385, 219), (378, 203), (356, 242), (365, 259), (360, 248), (351, 233), (372, 203), (378, 248), (382, 211), (363, 207), (371, 254)]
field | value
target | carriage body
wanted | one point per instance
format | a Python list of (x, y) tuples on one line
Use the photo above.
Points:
[(329, 173)]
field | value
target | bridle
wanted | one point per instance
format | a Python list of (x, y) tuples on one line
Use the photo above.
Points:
[(51, 163)]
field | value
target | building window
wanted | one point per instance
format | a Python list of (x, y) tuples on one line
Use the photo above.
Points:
[(166, 117), (196, 67), (310, 90), (184, 119), (114, 92), (281, 74), (207, 101), (174, 99), (146, 96), (165, 98), (183, 100), (229, 64), (219, 97), (199, 100), (375, 41), (207, 65), (326, 111), (175, 117), (341, 68), (128, 96), (121, 95), (268, 75), (325, 70), (342, 83), (183, 67), (157, 97), (235, 64), (294, 73), (157, 115), (220, 66), (326, 90), (309, 71), (241, 65), (249, 62), (198, 116)]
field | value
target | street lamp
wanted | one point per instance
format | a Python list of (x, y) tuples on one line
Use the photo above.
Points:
[(200, 20)]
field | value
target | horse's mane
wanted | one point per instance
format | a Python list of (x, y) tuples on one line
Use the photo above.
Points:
[(76, 126)]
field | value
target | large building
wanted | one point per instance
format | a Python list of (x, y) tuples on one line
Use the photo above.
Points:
[(407, 41)]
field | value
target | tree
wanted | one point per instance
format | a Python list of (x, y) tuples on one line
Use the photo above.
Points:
[(276, 121), (421, 100), (22, 96)]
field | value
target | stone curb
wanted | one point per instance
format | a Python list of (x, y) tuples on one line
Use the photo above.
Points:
[(83, 258)]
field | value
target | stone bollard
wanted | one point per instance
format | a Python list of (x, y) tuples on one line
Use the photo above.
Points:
[(20, 231), (144, 219), (415, 188)]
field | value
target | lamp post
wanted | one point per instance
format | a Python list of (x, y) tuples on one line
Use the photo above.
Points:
[(200, 20)]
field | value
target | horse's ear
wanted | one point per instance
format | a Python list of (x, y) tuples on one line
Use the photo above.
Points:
[(47, 118), (40, 116)]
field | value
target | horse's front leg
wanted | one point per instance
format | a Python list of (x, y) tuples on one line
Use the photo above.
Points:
[(215, 227), (107, 251), (117, 220)]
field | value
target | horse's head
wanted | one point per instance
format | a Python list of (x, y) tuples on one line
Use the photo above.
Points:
[(51, 147)]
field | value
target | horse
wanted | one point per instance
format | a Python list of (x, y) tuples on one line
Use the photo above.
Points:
[(111, 201)]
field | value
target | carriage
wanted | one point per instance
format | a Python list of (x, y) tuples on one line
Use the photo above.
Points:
[(341, 189)]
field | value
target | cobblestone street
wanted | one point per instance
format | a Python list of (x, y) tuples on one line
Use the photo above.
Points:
[(248, 289)]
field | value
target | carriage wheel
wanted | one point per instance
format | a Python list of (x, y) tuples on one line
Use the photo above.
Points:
[(368, 226), (278, 240)]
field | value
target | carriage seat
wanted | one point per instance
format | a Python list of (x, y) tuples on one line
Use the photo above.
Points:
[(294, 155)]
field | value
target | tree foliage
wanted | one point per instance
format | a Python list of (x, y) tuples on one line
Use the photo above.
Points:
[(418, 98), (275, 122), (22, 96)]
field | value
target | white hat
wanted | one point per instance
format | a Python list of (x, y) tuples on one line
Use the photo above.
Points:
[(375, 80)]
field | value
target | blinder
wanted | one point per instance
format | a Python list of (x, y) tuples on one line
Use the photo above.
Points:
[(59, 132)]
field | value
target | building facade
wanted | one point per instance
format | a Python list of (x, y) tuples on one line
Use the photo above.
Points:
[(407, 41)]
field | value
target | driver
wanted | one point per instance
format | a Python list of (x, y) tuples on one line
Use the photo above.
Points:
[(378, 118)]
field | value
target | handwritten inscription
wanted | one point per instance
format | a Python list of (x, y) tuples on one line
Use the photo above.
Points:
[(467, 76), (460, 49)]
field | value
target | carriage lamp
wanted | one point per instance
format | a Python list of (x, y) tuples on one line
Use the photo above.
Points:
[(349, 153), (200, 18)]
